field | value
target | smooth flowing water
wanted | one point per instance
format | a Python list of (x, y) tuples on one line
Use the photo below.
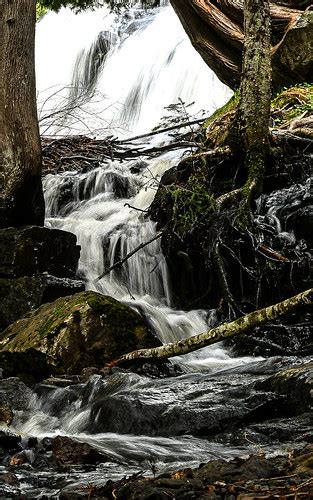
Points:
[(140, 74), (119, 83)]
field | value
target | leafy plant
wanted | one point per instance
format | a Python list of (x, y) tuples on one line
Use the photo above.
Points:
[(191, 202)]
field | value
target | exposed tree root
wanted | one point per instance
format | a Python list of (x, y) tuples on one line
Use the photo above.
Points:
[(222, 274)]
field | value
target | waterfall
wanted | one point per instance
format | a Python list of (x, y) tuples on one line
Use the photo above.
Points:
[(147, 63), (116, 75)]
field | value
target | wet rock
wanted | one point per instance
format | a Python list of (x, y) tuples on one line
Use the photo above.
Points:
[(62, 381), (37, 266), (69, 452), (303, 459), (15, 394), (295, 429), (6, 414), (30, 366), (9, 441), (296, 383), (9, 478), (238, 469), (126, 403), (31, 249), (88, 372), (19, 459), (86, 329), (287, 337), (138, 166)]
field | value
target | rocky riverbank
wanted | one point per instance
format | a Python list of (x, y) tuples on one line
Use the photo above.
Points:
[(255, 413)]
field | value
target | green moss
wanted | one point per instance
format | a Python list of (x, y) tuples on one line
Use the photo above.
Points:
[(191, 202), (291, 103), (40, 12), (229, 106)]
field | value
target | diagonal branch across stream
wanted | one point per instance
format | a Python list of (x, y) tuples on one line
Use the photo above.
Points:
[(225, 331)]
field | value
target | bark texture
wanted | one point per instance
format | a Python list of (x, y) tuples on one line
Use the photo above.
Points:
[(216, 27), (255, 89), (242, 325), (21, 198)]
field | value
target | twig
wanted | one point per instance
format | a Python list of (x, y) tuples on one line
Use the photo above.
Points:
[(130, 254), (135, 208), (160, 131)]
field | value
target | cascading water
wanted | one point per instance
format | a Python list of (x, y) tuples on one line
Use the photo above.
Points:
[(148, 64), (140, 74), (143, 63)]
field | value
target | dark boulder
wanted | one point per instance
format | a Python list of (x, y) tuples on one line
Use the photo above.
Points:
[(9, 441), (6, 414), (15, 394), (67, 451), (296, 383), (20, 295), (31, 249), (30, 366), (37, 265), (86, 329)]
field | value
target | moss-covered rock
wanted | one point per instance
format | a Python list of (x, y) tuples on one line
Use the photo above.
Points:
[(86, 329), (296, 383)]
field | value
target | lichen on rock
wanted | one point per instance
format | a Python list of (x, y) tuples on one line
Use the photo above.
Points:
[(86, 329)]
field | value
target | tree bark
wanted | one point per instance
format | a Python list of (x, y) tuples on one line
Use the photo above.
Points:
[(255, 90), (21, 197), (228, 330), (215, 28)]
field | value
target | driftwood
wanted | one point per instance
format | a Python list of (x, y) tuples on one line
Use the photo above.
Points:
[(215, 29), (83, 153), (225, 331)]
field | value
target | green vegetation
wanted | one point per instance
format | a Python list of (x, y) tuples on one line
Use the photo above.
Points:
[(191, 202), (40, 11), (85, 4), (229, 106), (292, 103)]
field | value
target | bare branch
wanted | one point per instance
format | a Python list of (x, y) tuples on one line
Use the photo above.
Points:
[(130, 254)]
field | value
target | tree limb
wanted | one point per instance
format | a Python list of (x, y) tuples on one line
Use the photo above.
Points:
[(130, 254), (221, 332)]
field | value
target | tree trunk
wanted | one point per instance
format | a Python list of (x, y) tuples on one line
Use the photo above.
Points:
[(255, 90), (215, 28), (228, 330), (21, 197)]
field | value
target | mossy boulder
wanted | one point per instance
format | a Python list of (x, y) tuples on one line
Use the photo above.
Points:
[(296, 383), (85, 329)]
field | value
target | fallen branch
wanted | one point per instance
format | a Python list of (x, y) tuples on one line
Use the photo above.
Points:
[(162, 130), (130, 254), (221, 332)]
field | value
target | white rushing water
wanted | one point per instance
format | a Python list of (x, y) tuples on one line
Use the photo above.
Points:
[(149, 64), (120, 86)]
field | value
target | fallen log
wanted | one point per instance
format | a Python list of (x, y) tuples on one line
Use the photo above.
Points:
[(242, 325)]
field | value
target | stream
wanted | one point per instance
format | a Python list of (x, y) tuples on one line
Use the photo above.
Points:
[(118, 83)]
